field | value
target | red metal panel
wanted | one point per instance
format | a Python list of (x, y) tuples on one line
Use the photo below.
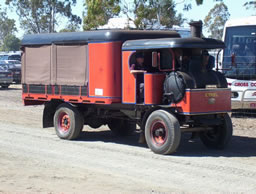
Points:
[(153, 88), (205, 101), (128, 80), (105, 70), (34, 99)]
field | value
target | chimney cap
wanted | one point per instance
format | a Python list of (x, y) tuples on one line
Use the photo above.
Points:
[(196, 23)]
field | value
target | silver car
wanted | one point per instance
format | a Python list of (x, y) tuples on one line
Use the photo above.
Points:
[(6, 77)]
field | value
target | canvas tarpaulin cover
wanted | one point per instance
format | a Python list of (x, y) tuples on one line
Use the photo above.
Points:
[(55, 65)]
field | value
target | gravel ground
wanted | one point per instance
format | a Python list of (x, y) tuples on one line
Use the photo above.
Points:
[(35, 160)]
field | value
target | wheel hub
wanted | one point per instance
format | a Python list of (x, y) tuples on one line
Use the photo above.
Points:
[(158, 132), (64, 122)]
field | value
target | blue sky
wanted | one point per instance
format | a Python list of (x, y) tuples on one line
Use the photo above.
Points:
[(235, 8)]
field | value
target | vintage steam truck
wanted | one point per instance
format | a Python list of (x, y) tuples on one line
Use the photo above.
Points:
[(85, 78)]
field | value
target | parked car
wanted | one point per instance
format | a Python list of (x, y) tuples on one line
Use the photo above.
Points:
[(6, 77), (15, 67), (10, 56)]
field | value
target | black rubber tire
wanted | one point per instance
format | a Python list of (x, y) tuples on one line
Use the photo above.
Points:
[(168, 123), (75, 122), (121, 127), (220, 136), (93, 123)]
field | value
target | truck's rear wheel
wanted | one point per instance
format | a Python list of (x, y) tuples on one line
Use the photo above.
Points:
[(68, 122), (121, 127), (219, 137), (162, 132)]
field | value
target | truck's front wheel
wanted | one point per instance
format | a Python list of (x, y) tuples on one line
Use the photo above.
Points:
[(162, 132), (68, 122), (219, 137)]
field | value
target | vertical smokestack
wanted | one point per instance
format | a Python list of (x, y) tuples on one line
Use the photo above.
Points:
[(196, 28)]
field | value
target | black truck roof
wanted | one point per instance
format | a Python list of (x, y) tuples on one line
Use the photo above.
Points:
[(192, 42), (93, 36)]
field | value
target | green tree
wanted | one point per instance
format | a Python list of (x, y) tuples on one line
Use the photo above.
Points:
[(11, 43), (148, 13), (98, 12), (71, 28), (215, 20), (167, 15), (38, 16), (145, 15), (199, 2), (250, 4), (188, 5), (7, 26)]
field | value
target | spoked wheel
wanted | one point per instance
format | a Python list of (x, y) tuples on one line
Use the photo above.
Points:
[(162, 132), (219, 137), (64, 122), (68, 122), (121, 127)]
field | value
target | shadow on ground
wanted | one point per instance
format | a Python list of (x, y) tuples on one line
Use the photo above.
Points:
[(244, 113), (239, 146), (108, 137)]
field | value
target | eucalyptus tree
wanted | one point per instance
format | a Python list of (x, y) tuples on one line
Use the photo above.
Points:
[(38, 16)]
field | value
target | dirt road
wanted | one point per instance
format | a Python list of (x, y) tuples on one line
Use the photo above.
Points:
[(33, 159)]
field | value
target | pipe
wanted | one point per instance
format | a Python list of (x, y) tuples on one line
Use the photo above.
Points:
[(196, 28)]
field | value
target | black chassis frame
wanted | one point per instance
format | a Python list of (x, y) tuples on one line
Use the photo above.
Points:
[(97, 115)]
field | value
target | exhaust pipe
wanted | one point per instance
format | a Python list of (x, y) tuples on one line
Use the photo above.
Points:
[(196, 28)]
